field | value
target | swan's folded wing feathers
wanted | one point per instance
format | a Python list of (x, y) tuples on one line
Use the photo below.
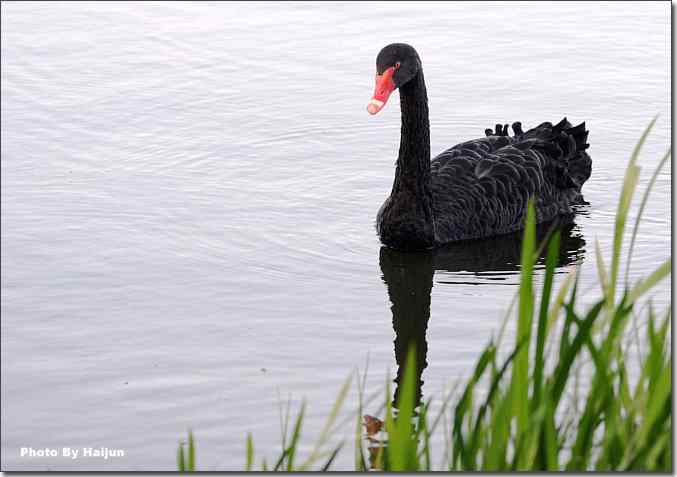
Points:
[(505, 170), (483, 167), (483, 186), (489, 187)]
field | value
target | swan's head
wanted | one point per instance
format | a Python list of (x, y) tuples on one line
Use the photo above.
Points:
[(396, 64)]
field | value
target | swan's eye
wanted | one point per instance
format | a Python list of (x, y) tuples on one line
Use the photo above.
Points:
[(397, 65)]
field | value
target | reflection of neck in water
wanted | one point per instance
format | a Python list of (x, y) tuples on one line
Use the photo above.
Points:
[(409, 278)]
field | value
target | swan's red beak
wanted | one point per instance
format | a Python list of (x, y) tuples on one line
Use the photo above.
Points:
[(384, 86)]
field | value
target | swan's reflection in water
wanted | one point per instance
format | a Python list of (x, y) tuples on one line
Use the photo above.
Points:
[(409, 278)]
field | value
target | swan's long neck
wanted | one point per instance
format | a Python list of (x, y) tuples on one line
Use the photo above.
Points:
[(412, 176), (413, 163)]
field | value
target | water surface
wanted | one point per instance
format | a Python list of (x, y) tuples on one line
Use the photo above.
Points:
[(189, 194)]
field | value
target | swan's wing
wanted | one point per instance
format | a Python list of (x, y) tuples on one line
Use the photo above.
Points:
[(472, 150), (482, 187)]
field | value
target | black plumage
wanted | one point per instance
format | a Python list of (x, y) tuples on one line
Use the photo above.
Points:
[(478, 188)]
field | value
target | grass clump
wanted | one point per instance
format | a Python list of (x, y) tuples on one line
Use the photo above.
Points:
[(185, 455), (523, 409)]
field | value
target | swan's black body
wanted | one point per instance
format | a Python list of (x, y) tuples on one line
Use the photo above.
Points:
[(477, 188)]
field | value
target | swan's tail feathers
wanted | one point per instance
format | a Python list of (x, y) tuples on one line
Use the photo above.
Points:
[(579, 164), (517, 129), (499, 130), (562, 143), (566, 146), (580, 134)]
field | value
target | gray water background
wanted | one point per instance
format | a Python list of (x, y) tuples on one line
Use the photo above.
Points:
[(189, 194)]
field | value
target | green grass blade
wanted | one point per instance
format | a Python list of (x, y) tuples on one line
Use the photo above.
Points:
[(601, 269), (550, 438), (250, 452), (520, 376), (336, 409), (422, 429), (401, 441), (550, 264), (180, 459), (360, 461), (558, 302), (474, 439), (191, 452), (326, 466), (627, 192), (638, 219), (329, 424), (649, 282), (442, 412), (284, 420), (495, 459), (296, 435), (561, 374), (460, 450), (280, 461)]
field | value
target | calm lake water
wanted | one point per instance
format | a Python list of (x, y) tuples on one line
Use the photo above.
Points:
[(189, 194)]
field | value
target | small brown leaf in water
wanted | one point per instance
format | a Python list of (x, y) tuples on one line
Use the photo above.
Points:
[(372, 424), (375, 457)]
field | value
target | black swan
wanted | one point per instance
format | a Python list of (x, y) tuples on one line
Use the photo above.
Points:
[(478, 188)]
